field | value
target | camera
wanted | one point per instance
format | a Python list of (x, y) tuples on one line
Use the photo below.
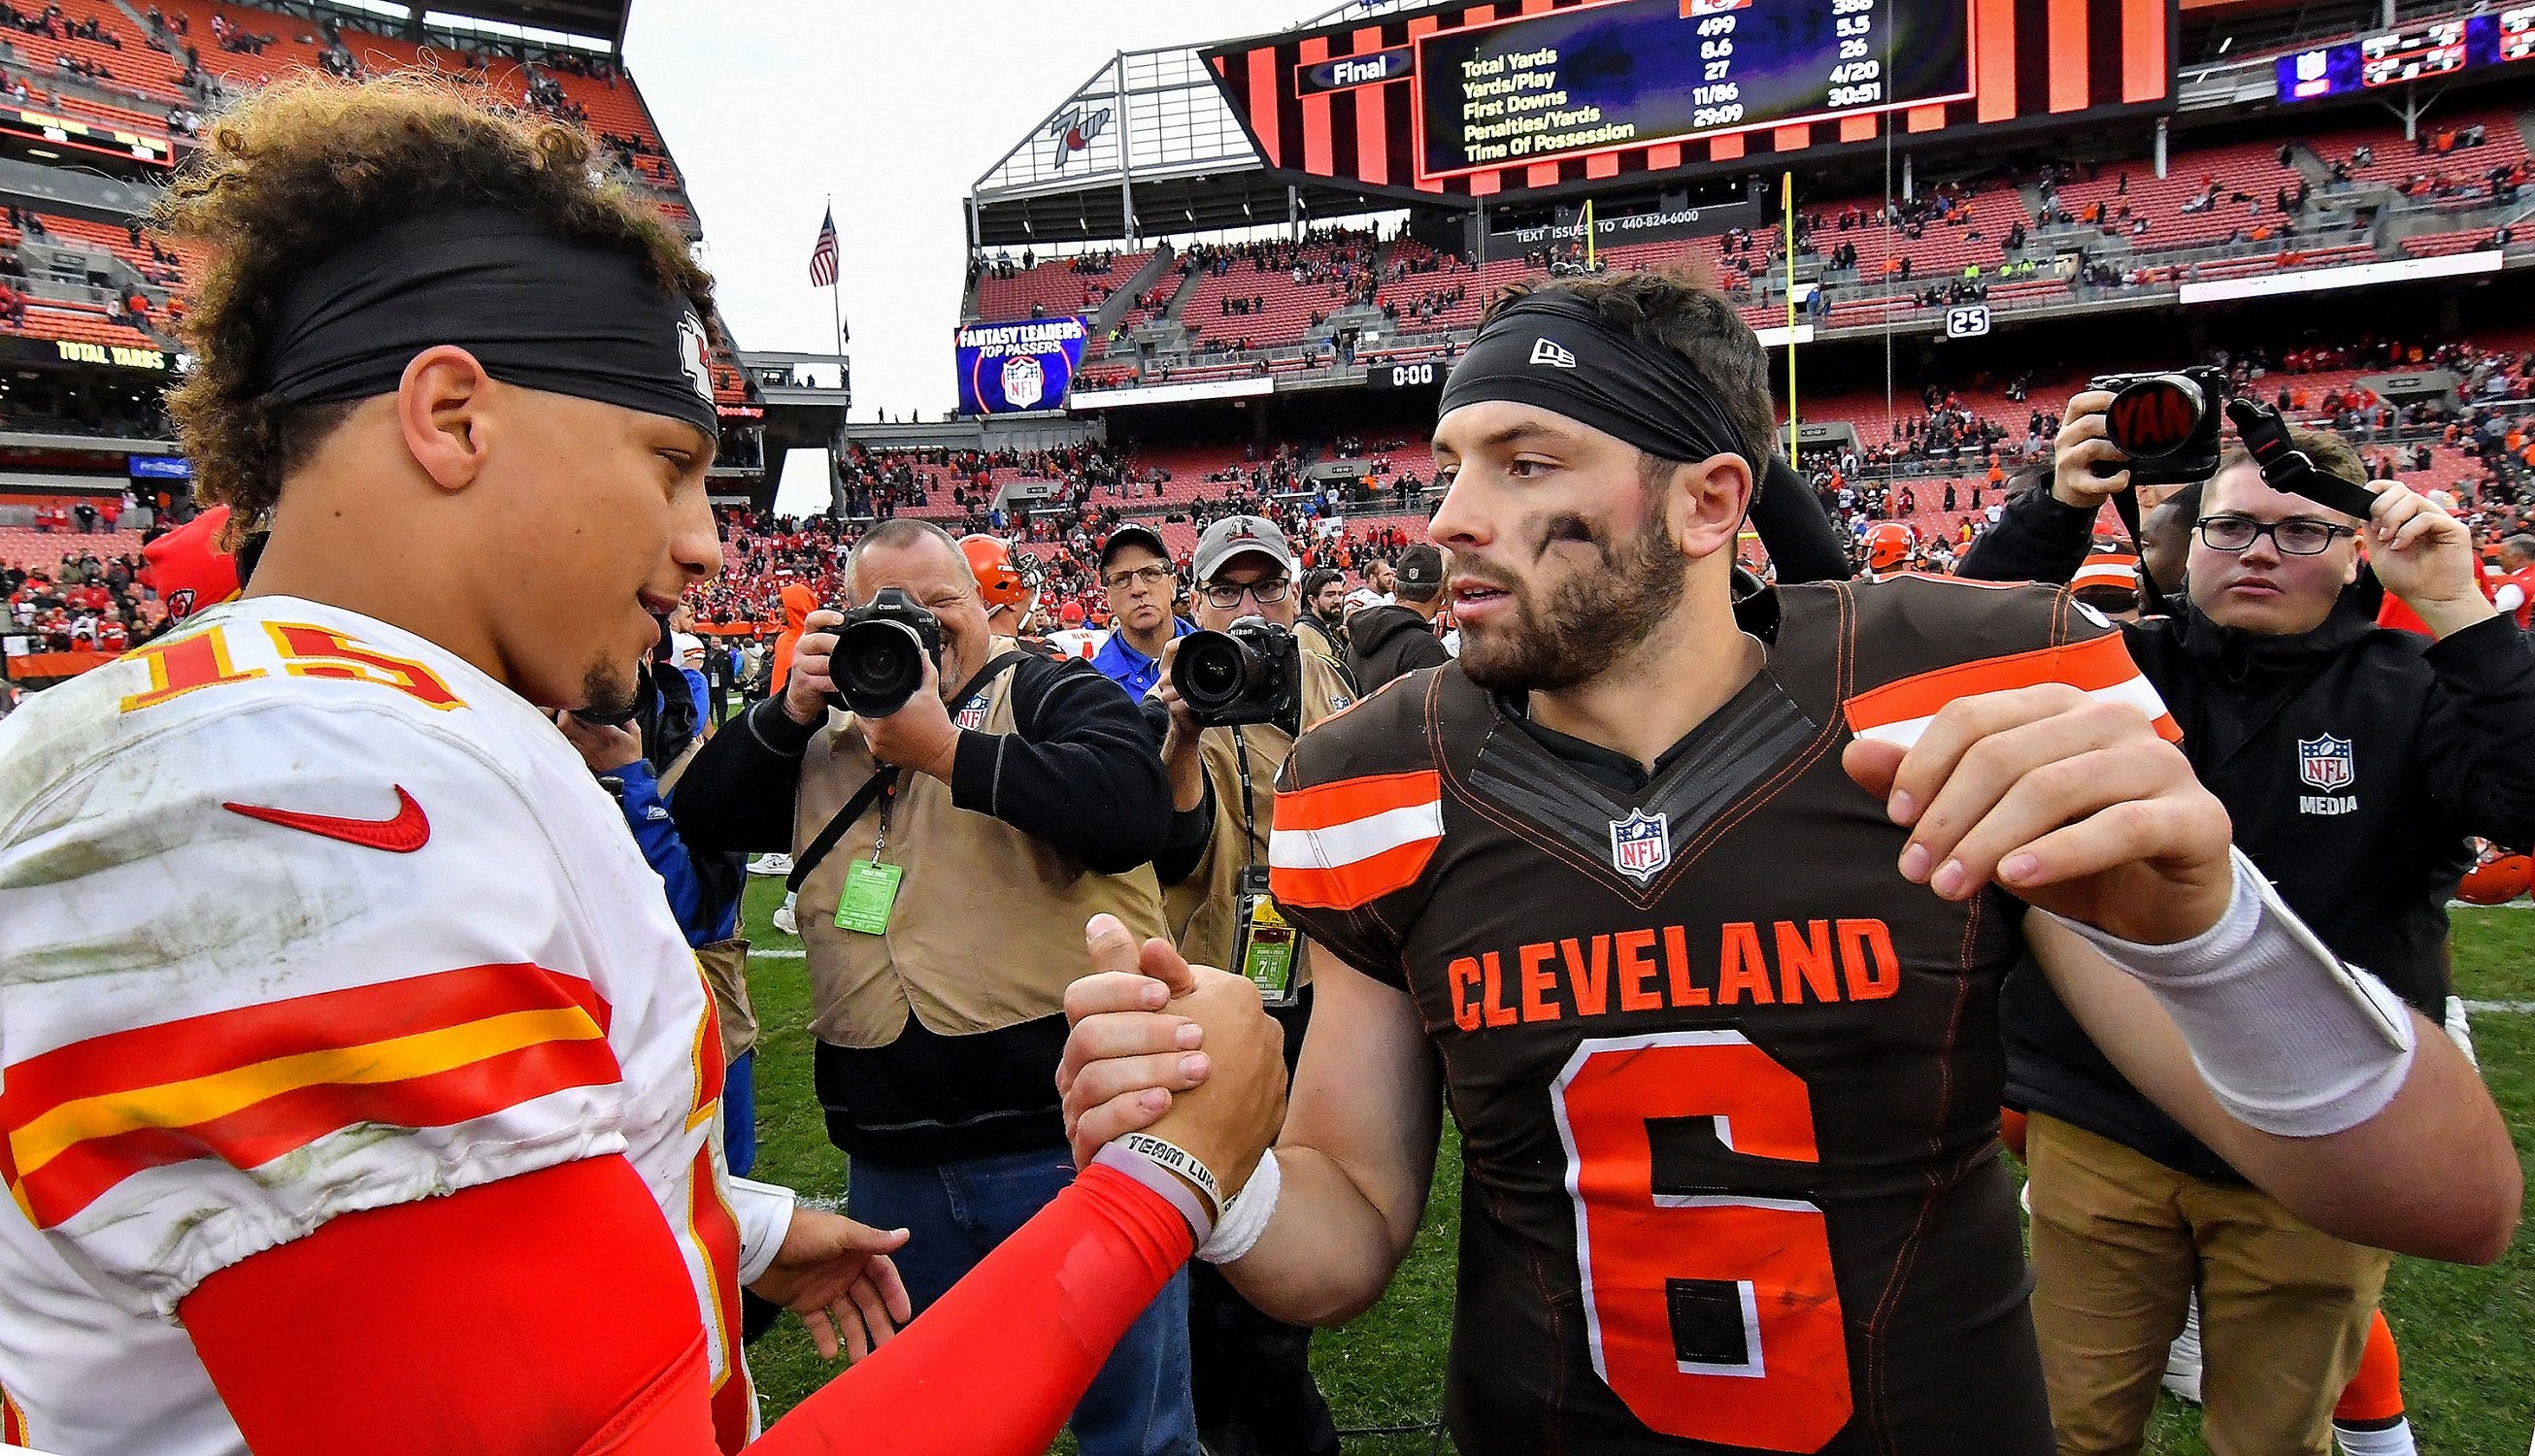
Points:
[(1246, 674), (881, 648), (2167, 423)]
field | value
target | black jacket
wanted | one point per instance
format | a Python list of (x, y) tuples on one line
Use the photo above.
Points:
[(2354, 759), (1386, 642), (1082, 774)]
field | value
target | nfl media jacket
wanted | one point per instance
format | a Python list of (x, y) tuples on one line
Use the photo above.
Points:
[(2353, 761)]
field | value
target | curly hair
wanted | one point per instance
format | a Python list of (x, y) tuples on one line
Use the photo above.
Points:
[(1676, 306), (310, 166)]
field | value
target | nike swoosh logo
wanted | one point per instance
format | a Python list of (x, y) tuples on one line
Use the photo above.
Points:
[(404, 833)]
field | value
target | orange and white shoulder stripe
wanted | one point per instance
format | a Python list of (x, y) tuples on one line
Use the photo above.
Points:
[(2100, 667), (1341, 845)]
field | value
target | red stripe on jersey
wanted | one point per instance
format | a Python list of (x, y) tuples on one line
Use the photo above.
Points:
[(735, 1400), (1347, 887), (288, 1121), (2094, 665), (223, 1041), (1352, 799)]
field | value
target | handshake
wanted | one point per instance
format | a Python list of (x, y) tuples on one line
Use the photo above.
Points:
[(1185, 1053)]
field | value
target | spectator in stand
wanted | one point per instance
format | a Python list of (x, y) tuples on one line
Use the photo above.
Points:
[(1394, 640), (1143, 592)]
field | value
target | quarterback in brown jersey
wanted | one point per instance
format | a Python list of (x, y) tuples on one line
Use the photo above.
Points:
[(1691, 898)]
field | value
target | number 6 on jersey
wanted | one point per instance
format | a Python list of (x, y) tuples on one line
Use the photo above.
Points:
[(1714, 1317)]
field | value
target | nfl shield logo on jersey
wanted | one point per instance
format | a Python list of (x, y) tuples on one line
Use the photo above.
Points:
[(2325, 762), (1641, 845)]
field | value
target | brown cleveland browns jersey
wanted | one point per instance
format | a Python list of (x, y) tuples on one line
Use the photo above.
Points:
[(1727, 1084)]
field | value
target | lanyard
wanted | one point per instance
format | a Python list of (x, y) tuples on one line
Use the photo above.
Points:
[(1249, 803), (888, 798)]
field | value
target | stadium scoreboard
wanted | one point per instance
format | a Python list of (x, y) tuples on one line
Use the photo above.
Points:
[(1592, 79), (1530, 98), (2426, 52)]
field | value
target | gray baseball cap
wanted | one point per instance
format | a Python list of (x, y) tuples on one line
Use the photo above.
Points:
[(1236, 536)]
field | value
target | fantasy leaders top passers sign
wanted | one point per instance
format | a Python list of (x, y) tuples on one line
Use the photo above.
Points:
[(1007, 368), (1598, 76)]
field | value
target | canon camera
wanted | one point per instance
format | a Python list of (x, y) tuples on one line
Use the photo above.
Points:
[(880, 649), (2168, 424), (1245, 673)]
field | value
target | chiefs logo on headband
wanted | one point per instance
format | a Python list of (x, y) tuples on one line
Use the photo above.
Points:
[(690, 355)]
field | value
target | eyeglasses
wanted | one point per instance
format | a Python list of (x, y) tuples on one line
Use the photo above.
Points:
[(2295, 536), (1266, 593), (1157, 578)]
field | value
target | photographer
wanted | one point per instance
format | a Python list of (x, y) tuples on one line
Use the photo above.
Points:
[(1254, 1386), (948, 847), (2353, 761)]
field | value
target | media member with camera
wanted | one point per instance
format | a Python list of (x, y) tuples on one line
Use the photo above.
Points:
[(1234, 696), (957, 810), (2353, 761)]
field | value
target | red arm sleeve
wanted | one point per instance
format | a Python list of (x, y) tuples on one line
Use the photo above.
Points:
[(376, 1332)]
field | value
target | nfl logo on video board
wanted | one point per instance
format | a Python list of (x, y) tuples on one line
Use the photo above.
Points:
[(1641, 845), (2325, 762)]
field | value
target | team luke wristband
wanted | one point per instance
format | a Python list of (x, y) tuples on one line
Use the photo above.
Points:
[(1181, 1161), (1144, 1170)]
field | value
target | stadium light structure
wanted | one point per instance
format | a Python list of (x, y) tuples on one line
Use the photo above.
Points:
[(1147, 136)]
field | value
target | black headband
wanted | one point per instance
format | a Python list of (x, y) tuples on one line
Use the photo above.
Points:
[(1552, 350), (535, 310)]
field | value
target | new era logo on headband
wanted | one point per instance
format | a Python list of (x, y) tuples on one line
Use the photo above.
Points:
[(1549, 351)]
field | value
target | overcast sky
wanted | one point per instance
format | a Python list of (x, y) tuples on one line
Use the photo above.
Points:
[(896, 108)]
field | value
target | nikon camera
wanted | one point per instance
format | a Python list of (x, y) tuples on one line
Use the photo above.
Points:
[(1249, 673), (881, 648), (2167, 423)]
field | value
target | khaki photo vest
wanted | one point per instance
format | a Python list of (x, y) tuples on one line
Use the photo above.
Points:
[(987, 929), (1202, 908)]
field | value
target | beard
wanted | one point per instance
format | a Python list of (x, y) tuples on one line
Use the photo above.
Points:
[(608, 692), (1577, 629)]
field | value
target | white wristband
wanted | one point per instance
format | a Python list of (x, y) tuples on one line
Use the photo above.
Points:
[(2291, 1040), (1246, 1217)]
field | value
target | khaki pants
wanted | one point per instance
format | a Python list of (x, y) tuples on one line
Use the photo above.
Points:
[(2119, 1241)]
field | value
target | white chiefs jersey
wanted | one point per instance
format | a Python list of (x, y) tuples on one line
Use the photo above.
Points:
[(302, 915)]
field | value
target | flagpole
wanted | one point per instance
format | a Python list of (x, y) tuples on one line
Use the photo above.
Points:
[(835, 292)]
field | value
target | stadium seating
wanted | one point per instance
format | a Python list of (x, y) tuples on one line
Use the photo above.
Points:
[(2431, 152), (1053, 287), (1327, 263)]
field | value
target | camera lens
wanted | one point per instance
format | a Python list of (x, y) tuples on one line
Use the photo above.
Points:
[(1210, 670), (878, 666), (2154, 417)]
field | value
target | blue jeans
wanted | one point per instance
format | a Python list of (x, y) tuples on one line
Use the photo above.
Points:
[(1139, 1404), (739, 1113)]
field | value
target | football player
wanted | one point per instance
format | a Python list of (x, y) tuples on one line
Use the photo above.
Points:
[(359, 1091), (1691, 898)]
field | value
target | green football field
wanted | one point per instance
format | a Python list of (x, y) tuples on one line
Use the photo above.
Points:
[(2467, 1335)]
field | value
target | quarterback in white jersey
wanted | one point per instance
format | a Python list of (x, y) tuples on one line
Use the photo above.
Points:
[(355, 927)]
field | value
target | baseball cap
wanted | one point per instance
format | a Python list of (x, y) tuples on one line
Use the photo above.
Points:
[(1421, 566), (1133, 535), (1235, 535)]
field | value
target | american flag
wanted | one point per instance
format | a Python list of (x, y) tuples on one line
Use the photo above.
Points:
[(823, 256)]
